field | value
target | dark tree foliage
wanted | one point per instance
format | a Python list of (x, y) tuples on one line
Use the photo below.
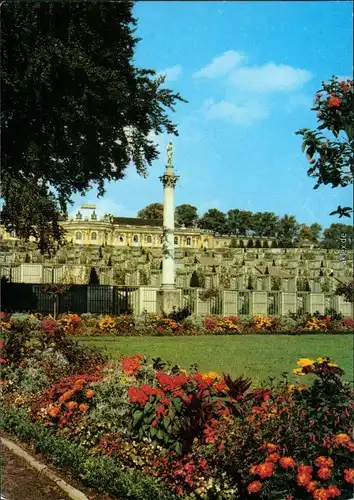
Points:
[(194, 283), (153, 211), (332, 159), (93, 279), (75, 108)]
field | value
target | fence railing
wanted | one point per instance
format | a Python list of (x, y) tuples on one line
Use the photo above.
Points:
[(115, 300)]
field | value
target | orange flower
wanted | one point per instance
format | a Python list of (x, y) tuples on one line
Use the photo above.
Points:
[(254, 487), (265, 470), (287, 462), (311, 486), (83, 407), (333, 102), (253, 469), (349, 475), (306, 469), (324, 473), (320, 494), (67, 395), (324, 462), (342, 439), (270, 447), (71, 405), (54, 411), (333, 492), (274, 457), (90, 393), (303, 479)]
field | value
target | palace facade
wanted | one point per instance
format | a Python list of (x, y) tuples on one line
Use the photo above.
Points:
[(135, 232)]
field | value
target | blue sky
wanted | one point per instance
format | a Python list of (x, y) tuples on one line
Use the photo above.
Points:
[(249, 71)]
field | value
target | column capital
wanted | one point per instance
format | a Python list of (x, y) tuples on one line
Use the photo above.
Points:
[(169, 180)]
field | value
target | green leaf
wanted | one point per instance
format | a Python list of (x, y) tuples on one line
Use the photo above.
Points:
[(160, 434)]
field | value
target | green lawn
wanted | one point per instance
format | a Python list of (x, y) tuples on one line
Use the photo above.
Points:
[(256, 356)]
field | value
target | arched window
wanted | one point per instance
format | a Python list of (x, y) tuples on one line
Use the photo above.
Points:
[(78, 236), (121, 239), (136, 238), (189, 241), (148, 239), (94, 236), (176, 240)]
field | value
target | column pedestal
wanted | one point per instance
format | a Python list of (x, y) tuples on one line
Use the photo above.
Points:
[(167, 300)]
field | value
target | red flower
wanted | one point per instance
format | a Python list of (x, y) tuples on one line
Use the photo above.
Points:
[(170, 382), (2, 344), (265, 469), (311, 486), (287, 462), (254, 487), (274, 457), (349, 475), (160, 411), (320, 494), (150, 391), (131, 365), (154, 423), (3, 361), (324, 462), (137, 396), (333, 492), (333, 102), (324, 473)]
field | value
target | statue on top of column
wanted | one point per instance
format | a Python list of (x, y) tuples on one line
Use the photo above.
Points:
[(170, 154)]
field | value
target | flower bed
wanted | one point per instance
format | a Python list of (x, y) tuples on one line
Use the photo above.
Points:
[(142, 429), (152, 325)]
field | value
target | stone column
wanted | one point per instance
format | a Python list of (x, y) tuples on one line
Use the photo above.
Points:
[(168, 297), (168, 180)]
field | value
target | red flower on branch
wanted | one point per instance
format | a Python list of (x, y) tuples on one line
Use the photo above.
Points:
[(334, 102)]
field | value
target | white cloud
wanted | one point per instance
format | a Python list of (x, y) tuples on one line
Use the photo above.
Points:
[(221, 65), (269, 78), (172, 73), (244, 114)]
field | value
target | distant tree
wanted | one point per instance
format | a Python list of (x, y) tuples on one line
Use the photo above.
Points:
[(239, 221), (213, 269), (100, 253), (347, 290), (78, 111), (27, 259), (194, 282), (264, 224), (266, 270), (265, 244), (242, 245), (93, 279), (274, 244), (186, 215), (338, 235), (214, 220), (273, 263), (258, 244), (109, 262), (332, 159), (152, 211), (250, 283), (288, 230), (250, 244), (309, 233)]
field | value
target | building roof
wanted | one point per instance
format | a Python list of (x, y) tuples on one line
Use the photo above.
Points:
[(134, 221)]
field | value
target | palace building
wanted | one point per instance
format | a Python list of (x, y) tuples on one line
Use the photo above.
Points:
[(87, 229)]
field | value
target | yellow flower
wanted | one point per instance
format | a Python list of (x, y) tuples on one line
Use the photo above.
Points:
[(305, 362), (332, 364), (291, 387), (320, 360), (210, 375), (298, 371)]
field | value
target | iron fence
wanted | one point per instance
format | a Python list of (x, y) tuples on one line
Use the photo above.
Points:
[(100, 299)]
